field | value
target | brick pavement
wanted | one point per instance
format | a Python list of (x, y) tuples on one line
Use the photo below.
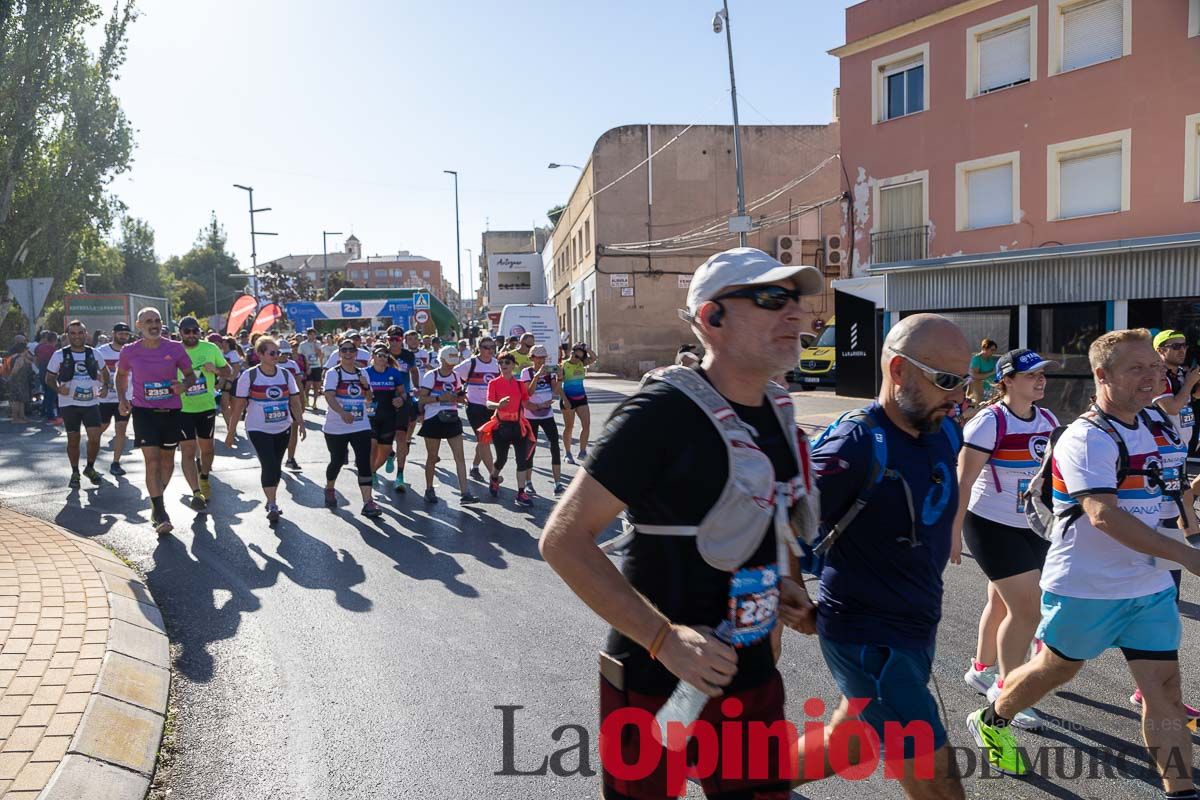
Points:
[(83, 668)]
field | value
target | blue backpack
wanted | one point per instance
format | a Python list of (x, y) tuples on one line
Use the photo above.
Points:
[(814, 555)]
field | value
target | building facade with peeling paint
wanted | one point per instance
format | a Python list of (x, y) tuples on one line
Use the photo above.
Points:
[(1030, 168)]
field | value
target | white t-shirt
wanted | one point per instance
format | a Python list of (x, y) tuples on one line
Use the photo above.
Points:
[(541, 392), (312, 352), (267, 399), (485, 373), (1185, 420), (1173, 451), (292, 367), (109, 355), (1083, 562), (350, 389), (423, 358), (1014, 461), (361, 359), (84, 390), (438, 383)]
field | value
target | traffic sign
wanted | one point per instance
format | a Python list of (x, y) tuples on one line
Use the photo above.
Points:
[(421, 300), (422, 316), (30, 294)]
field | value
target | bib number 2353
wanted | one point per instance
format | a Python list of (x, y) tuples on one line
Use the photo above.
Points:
[(753, 604)]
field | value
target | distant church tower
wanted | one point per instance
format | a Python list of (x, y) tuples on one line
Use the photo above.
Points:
[(354, 247)]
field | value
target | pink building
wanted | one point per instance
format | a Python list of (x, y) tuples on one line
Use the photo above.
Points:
[(1028, 167)]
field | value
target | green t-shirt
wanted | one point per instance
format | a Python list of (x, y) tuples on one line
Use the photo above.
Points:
[(522, 360), (201, 397), (988, 365)]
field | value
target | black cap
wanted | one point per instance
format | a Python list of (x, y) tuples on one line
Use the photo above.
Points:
[(188, 322), (1021, 361), (121, 326)]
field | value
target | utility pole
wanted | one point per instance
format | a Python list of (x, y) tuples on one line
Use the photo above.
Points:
[(253, 238), (742, 225), (471, 279), (457, 244)]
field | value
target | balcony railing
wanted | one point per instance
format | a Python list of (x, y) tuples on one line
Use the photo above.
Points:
[(903, 244)]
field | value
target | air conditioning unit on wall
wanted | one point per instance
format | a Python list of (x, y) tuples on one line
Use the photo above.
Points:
[(834, 254), (787, 249)]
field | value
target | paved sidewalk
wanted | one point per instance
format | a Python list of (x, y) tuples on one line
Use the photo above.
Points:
[(83, 668)]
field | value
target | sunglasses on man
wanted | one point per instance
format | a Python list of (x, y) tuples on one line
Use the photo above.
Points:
[(946, 381), (771, 298), (189, 331), (1175, 346)]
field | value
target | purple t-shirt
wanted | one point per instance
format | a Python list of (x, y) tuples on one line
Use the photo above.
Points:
[(154, 370)]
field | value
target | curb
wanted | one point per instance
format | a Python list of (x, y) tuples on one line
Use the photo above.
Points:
[(113, 752)]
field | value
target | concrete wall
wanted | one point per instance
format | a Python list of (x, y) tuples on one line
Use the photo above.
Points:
[(1150, 92), (690, 183)]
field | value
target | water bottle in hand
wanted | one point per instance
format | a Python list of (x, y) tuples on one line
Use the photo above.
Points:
[(686, 702)]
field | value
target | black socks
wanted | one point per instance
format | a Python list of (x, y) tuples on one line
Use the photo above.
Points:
[(990, 717)]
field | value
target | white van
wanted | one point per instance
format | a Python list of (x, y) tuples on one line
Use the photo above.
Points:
[(538, 319)]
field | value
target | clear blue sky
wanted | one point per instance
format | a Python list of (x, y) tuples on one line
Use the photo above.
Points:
[(342, 116)]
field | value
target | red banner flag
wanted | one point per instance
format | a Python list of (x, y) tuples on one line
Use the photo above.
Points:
[(241, 310), (268, 316)]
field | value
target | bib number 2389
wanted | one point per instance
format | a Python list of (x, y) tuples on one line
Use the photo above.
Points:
[(753, 604)]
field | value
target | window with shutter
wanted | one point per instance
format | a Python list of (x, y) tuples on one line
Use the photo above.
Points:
[(1090, 183), (1004, 58), (1092, 32), (990, 196), (901, 207)]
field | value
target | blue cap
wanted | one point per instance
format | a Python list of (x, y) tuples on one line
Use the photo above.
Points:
[(1021, 361)]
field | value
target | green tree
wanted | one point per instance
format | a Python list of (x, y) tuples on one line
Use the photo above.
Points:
[(208, 265), (63, 135), (284, 287), (189, 297), (142, 273), (336, 282), (554, 213)]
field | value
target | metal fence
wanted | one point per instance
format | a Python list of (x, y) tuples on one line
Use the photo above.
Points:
[(903, 244)]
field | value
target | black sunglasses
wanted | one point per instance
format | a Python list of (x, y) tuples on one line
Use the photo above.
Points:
[(772, 298), (1176, 346), (348, 349), (272, 353), (189, 330)]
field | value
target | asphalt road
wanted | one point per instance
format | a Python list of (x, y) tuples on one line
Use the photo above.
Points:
[(336, 657)]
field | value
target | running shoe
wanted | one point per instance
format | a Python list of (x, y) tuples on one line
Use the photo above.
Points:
[(494, 487), (467, 497), (371, 509), (273, 513), (91, 474), (400, 486), (570, 458), (1136, 699), (198, 502), (559, 489), (1026, 720), (980, 680), (523, 499), (73, 483), (582, 453), (529, 488), (205, 488), (389, 466), (430, 495), (293, 465), (116, 468), (1000, 744), (330, 498), (162, 524), (476, 474)]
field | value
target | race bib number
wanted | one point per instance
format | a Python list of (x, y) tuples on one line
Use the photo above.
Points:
[(355, 408), (157, 390), (198, 389), (1171, 480), (1187, 417), (1022, 488), (753, 604), (83, 394), (275, 412), (374, 409)]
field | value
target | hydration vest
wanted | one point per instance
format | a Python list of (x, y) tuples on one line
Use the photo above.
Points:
[(735, 525)]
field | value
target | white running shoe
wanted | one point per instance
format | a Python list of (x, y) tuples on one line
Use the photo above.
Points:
[(980, 681), (1027, 720)]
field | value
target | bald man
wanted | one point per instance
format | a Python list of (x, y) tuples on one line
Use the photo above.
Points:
[(880, 596)]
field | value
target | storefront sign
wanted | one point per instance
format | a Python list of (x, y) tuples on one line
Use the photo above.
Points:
[(618, 280)]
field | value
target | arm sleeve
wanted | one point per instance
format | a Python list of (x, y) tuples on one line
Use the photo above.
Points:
[(1086, 459), (980, 432), (841, 463), (242, 389)]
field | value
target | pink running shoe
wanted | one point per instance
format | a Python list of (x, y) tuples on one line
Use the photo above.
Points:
[(1136, 699)]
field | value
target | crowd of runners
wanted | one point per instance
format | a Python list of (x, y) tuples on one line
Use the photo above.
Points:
[(1082, 531), (380, 392)]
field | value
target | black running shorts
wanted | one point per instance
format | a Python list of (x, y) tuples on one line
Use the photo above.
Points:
[(156, 427), (197, 426), (75, 416), (1003, 551)]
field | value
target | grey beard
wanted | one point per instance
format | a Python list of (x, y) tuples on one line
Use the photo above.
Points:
[(917, 416)]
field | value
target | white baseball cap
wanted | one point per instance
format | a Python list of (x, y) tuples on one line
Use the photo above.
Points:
[(746, 266), (449, 355)]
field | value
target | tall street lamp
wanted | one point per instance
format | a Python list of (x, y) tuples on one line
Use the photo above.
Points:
[(254, 237), (325, 256), (552, 165), (471, 280), (457, 242), (741, 223)]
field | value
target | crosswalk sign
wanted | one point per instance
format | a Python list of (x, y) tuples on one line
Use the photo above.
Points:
[(421, 300)]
